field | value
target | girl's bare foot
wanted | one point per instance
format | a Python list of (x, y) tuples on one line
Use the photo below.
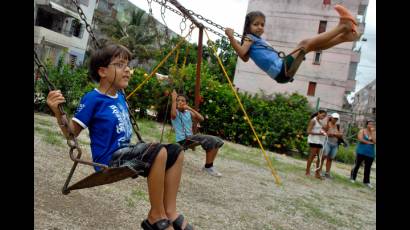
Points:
[(350, 36), (344, 13), (346, 17)]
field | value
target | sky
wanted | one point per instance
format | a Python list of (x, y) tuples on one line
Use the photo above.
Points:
[(231, 13)]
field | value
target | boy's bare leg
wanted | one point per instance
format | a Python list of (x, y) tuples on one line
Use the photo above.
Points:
[(211, 155), (156, 187), (172, 181)]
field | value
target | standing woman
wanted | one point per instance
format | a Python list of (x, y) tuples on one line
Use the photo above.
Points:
[(316, 139), (331, 146), (365, 152)]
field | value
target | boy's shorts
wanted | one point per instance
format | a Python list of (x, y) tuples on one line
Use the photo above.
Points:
[(207, 142), (141, 156), (282, 78)]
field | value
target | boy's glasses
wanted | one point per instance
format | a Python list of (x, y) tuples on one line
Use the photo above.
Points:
[(120, 65)]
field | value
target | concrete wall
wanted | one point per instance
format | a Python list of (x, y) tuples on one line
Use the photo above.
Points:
[(76, 46)]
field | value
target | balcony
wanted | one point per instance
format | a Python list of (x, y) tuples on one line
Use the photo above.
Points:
[(47, 35)]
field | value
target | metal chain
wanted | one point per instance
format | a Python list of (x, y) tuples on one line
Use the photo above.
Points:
[(71, 139), (168, 7), (87, 26), (150, 8), (199, 17), (213, 24), (182, 25), (163, 9)]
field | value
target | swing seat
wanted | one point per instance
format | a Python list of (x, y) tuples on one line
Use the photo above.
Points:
[(295, 64), (190, 144), (103, 177)]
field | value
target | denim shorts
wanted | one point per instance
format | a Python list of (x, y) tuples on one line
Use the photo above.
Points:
[(330, 150), (141, 156), (207, 142)]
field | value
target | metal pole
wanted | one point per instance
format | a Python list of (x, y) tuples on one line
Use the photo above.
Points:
[(198, 75), (198, 64), (317, 104)]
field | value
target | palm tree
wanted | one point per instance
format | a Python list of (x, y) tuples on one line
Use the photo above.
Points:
[(138, 34)]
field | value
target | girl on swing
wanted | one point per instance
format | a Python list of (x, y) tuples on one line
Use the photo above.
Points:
[(266, 58)]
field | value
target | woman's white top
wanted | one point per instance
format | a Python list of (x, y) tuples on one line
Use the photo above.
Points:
[(317, 128)]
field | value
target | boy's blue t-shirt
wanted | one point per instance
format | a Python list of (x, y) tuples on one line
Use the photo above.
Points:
[(264, 56), (181, 122), (108, 122)]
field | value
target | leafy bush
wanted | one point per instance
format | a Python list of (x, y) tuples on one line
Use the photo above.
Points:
[(346, 154), (73, 83), (279, 120)]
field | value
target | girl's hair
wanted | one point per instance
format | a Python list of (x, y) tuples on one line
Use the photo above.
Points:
[(315, 114), (103, 57), (368, 121), (250, 17)]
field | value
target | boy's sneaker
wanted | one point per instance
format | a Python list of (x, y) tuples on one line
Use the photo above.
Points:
[(353, 181), (212, 171), (368, 185)]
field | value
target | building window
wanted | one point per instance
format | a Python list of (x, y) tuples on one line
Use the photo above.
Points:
[(326, 2), (311, 89), (374, 110), (73, 60), (322, 26), (318, 55)]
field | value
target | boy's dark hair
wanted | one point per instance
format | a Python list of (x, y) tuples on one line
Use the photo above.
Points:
[(182, 95), (248, 20), (103, 57)]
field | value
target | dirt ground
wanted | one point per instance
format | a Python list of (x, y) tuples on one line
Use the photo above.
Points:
[(246, 197)]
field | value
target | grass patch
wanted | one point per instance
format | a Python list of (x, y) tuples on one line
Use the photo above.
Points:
[(139, 194), (311, 210), (49, 136), (38, 121)]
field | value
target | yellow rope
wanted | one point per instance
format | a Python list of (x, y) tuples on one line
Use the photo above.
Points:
[(277, 179), (160, 64)]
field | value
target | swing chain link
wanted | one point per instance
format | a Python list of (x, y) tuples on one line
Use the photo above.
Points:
[(182, 25), (168, 7), (71, 139), (150, 8), (199, 17), (87, 25)]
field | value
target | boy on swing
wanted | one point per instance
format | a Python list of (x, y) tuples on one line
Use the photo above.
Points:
[(181, 118), (105, 113)]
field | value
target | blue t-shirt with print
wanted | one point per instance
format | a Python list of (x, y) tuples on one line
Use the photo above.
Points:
[(107, 120), (264, 56), (182, 125)]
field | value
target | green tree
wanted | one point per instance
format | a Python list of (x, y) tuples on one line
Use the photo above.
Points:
[(138, 34)]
